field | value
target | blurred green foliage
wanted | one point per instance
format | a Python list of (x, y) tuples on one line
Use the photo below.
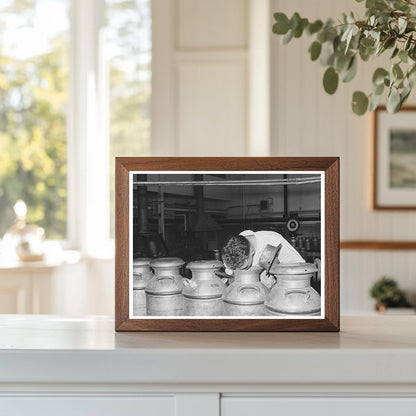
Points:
[(387, 292), (389, 27), (33, 97)]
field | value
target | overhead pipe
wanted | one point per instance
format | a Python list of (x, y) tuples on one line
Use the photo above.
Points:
[(260, 182), (266, 220), (225, 221)]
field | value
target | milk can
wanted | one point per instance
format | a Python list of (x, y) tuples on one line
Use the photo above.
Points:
[(246, 295), (164, 290), (202, 294), (292, 293), (141, 277)]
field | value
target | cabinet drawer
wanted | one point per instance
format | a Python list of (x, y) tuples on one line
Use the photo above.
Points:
[(273, 406), (87, 406)]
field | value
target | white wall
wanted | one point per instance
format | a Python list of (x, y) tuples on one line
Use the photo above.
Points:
[(211, 89), (203, 69), (308, 122)]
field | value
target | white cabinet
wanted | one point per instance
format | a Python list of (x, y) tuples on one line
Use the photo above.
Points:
[(93, 404), (201, 405), (88, 406), (51, 365), (272, 406)]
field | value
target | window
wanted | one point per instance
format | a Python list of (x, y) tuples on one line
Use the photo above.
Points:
[(33, 97), (75, 87)]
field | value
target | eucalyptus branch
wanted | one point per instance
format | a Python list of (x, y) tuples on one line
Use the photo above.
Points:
[(389, 25)]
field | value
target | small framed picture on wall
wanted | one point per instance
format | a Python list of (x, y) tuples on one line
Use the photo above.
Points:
[(394, 150)]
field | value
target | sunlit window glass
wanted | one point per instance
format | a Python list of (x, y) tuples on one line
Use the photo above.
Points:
[(129, 46), (34, 39)]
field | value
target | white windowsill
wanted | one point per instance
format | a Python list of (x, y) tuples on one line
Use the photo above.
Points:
[(56, 256)]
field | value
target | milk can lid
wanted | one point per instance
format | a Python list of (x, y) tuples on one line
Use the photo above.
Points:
[(141, 261), (205, 265), (166, 262), (294, 268)]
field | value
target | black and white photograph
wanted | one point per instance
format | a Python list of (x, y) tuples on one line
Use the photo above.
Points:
[(226, 244)]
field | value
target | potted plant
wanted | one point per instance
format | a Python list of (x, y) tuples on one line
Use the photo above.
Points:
[(389, 27), (387, 294)]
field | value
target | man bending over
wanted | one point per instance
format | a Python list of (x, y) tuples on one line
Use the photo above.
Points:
[(244, 250)]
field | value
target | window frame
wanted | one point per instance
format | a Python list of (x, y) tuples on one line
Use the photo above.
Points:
[(87, 133)]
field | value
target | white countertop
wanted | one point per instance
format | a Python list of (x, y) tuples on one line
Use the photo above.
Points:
[(53, 349)]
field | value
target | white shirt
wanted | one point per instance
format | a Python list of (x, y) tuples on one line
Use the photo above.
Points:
[(259, 240)]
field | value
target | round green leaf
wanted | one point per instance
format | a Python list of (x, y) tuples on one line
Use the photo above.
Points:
[(412, 70), (281, 27), (403, 96), (395, 52), (367, 42), (389, 43), (408, 42), (314, 27), (379, 75), (393, 101), (374, 102), (330, 80), (327, 54), (365, 53), (359, 103), (400, 5), (412, 52), (411, 77), (294, 20), (300, 25), (402, 24), (322, 36), (315, 50), (288, 37), (342, 61), (397, 71), (378, 89), (376, 4), (351, 71), (403, 55)]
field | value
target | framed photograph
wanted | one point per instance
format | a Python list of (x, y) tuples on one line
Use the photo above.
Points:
[(227, 244), (394, 179)]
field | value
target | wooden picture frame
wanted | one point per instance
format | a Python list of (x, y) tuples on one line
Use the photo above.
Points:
[(326, 167), (394, 185)]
